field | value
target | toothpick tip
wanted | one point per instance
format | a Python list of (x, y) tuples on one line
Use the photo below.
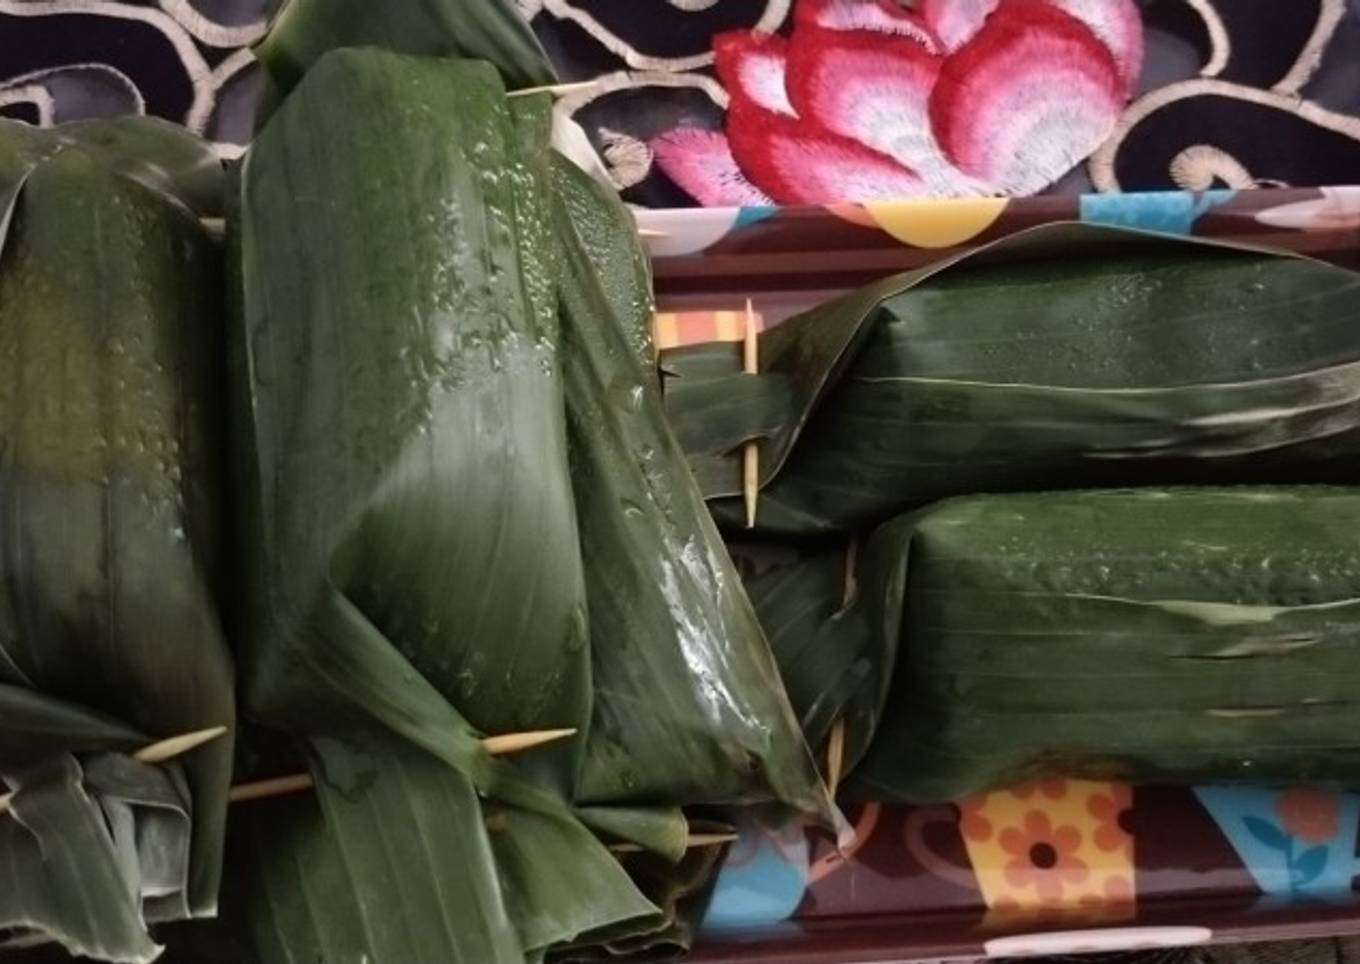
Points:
[(178, 745), (557, 90), (835, 756), (519, 742), (710, 839)]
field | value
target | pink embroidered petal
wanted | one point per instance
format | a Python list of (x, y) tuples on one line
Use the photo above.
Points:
[(1118, 26), (880, 16), (701, 163), (1028, 98), (753, 64), (874, 89), (797, 162), (955, 22)]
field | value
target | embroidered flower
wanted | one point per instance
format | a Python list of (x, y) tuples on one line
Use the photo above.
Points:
[(1310, 815), (1044, 857), (868, 99)]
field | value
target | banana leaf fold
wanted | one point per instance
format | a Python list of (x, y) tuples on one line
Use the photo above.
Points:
[(1152, 635), (1066, 356), (441, 402), (111, 437), (302, 31)]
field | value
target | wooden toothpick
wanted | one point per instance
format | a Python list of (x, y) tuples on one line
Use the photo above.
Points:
[(750, 474), (277, 787), (835, 756), (159, 752), (557, 90), (519, 742), (298, 782), (177, 745), (835, 741)]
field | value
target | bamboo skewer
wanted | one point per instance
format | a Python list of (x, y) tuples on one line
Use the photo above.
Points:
[(750, 469), (159, 752), (502, 745)]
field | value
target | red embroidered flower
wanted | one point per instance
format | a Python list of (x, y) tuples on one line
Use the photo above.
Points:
[(1310, 815), (1107, 807), (1043, 856), (868, 99)]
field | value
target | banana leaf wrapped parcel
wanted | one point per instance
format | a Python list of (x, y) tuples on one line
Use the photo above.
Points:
[(1154, 635), (422, 346), (111, 437), (689, 706), (1067, 356)]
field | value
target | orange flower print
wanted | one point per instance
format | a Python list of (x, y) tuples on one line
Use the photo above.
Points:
[(973, 824), (1107, 807), (1043, 856), (1048, 789), (1310, 815), (1118, 890)]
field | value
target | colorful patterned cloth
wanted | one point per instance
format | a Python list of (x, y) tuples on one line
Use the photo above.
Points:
[(888, 98)]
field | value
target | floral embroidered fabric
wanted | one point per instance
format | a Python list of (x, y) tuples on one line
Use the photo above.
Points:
[(744, 102)]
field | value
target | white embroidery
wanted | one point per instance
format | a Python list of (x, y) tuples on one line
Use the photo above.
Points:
[(776, 11), (194, 65)]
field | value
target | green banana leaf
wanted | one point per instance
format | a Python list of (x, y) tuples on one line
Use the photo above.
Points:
[(1153, 635), (158, 154), (679, 888), (78, 875), (413, 562), (1065, 356), (492, 30), (835, 666), (408, 865), (689, 707), (110, 448)]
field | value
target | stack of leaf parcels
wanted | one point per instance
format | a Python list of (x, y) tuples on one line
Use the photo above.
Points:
[(1174, 634)]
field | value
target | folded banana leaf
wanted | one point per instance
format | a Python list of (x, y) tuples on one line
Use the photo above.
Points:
[(413, 566), (1066, 356), (835, 666), (110, 461), (491, 30), (681, 889), (1153, 635), (181, 168), (689, 708)]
